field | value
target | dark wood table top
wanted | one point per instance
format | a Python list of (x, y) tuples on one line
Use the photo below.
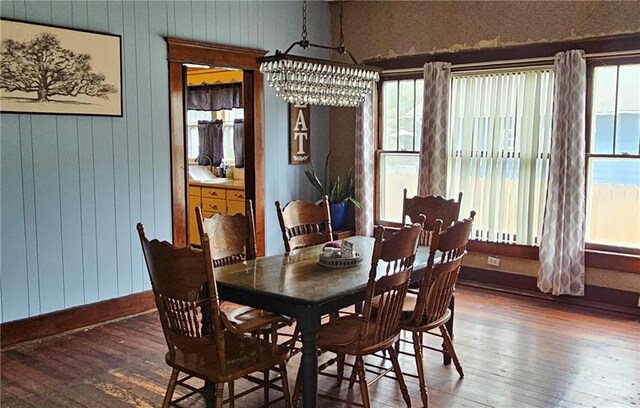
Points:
[(297, 278)]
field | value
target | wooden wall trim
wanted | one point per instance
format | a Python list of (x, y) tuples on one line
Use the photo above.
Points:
[(36, 327), (182, 51), (178, 153), (613, 43), (617, 300), (495, 248)]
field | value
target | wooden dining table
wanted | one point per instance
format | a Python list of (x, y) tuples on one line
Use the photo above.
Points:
[(295, 285)]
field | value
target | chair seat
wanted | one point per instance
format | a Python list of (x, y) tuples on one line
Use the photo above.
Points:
[(241, 316), (243, 355), (339, 336)]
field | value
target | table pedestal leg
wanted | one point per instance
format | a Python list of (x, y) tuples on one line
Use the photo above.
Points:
[(309, 361)]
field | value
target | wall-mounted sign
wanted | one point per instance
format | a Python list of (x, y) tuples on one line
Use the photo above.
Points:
[(299, 134)]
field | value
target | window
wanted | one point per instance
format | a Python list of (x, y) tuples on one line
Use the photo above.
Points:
[(227, 117), (613, 157), (498, 143), (498, 147), (401, 134)]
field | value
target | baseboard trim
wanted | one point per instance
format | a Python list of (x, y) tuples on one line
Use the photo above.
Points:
[(48, 324), (614, 300)]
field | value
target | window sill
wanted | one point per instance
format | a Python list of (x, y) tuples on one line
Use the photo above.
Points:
[(593, 258)]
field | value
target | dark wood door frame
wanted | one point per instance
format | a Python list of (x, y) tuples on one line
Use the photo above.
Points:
[(182, 51)]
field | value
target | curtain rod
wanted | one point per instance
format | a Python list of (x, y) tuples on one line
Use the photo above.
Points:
[(539, 60)]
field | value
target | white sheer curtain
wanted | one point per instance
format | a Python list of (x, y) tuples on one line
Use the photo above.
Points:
[(499, 140), (562, 246), (364, 169), (432, 173)]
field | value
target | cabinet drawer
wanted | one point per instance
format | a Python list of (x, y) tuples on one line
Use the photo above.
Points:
[(235, 195), (208, 192), (235, 207), (213, 205), (194, 191)]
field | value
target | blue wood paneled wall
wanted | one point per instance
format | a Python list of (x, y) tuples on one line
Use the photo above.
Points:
[(74, 187)]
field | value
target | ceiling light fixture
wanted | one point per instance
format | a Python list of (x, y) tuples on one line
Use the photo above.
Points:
[(303, 80)]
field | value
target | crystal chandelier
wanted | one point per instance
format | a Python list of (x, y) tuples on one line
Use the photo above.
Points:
[(303, 80)]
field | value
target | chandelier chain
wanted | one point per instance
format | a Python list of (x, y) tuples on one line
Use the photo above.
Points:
[(341, 23), (304, 20)]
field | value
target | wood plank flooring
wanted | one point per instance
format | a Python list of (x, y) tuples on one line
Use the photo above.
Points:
[(516, 351)]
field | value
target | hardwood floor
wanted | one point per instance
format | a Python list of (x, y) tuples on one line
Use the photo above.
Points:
[(516, 352)]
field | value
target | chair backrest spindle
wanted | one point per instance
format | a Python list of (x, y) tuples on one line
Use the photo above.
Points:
[(441, 274), (391, 268)]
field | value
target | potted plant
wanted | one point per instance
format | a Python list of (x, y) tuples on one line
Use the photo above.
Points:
[(340, 192)]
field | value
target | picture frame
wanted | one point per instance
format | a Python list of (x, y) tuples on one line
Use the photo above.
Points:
[(299, 134), (83, 78)]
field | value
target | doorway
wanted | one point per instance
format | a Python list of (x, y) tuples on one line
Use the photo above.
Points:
[(181, 55)]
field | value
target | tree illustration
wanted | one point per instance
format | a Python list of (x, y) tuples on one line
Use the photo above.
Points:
[(43, 66)]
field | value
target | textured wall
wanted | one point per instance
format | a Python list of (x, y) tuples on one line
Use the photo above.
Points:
[(74, 187), (392, 28)]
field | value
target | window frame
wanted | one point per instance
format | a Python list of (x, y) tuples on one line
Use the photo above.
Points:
[(592, 64), (409, 67)]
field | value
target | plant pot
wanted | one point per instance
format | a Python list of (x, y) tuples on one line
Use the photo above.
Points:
[(338, 215)]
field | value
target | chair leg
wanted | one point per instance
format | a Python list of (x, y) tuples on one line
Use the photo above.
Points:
[(297, 388), (232, 402), (364, 387), (170, 388), (353, 377), (292, 342), (340, 372), (452, 352), (417, 350), (285, 385), (265, 391), (399, 376), (219, 394)]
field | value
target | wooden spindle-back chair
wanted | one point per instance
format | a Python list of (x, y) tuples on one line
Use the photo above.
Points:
[(429, 309), (232, 240), (433, 208), (202, 342), (361, 335), (304, 224)]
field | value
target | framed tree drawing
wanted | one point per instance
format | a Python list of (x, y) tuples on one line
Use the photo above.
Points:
[(55, 70)]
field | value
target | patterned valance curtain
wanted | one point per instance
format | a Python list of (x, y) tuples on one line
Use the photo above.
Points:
[(238, 142), (210, 151), (214, 97)]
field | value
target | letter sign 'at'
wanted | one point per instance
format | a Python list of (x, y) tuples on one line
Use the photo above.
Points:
[(299, 134)]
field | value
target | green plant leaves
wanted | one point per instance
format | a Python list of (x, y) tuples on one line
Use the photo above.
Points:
[(341, 191)]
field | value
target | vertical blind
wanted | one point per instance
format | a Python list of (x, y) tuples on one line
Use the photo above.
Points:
[(498, 151)]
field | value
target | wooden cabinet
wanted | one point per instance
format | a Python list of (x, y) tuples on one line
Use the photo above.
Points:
[(212, 200), (235, 202)]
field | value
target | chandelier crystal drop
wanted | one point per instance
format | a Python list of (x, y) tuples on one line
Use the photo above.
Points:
[(302, 80), (318, 82)]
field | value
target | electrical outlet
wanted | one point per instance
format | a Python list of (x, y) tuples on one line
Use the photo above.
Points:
[(495, 261)]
